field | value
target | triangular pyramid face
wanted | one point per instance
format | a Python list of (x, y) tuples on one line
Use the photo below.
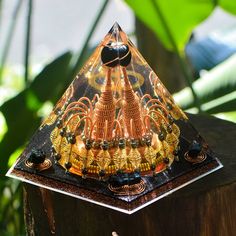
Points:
[(116, 130), (115, 114)]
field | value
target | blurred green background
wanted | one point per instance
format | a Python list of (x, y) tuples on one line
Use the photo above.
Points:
[(190, 44)]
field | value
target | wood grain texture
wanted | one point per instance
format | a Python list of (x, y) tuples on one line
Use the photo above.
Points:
[(205, 207)]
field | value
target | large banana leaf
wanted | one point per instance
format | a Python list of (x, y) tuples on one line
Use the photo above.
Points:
[(179, 17), (216, 89), (21, 116), (226, 103), (228, 5)]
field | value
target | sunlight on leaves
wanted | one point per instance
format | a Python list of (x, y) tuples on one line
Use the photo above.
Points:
[(181, 16), (3, 126)]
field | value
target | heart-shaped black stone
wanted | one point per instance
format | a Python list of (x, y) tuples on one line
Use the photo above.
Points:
[(113, 55)]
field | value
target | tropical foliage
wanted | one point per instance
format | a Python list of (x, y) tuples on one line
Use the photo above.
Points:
[(21, 113)]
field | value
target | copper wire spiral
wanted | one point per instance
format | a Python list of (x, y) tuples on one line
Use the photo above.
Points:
[(131, 110), (118, 129), (105, 112)]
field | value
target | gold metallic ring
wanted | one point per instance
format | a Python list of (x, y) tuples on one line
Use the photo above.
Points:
[(92, 80), (130, 190), (42, 166), (200, 158)]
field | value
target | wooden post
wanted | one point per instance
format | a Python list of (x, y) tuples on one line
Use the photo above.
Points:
[(205, 207)]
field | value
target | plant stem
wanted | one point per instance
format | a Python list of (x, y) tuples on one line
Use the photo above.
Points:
[(27, 40), (184, 67), (215, 3), (82, 53), (9, 37)]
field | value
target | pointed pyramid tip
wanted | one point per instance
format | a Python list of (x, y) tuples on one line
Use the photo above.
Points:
[(115, 28)]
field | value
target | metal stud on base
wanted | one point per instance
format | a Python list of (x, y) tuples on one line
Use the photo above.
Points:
[(195, 154), (37, 160)]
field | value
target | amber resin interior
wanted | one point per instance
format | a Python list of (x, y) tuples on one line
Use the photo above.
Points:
[(116, 116)]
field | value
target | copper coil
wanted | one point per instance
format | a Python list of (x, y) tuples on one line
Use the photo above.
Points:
[(130, 190), (132, 110), (39, 167), (200, 158), (105, 112)]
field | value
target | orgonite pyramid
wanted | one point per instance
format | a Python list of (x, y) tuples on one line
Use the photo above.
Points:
[(116, 137)]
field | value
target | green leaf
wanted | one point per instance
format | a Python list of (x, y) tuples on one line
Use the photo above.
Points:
[(19, 112), (230, 116), (216, 89), (225, 103), (32, 101), (50, 83), (181, 16), (228, 5)]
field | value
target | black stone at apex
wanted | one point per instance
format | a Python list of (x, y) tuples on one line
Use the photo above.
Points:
[(116, 55)]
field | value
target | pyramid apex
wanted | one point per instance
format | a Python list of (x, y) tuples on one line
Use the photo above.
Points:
[(115, 28)]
